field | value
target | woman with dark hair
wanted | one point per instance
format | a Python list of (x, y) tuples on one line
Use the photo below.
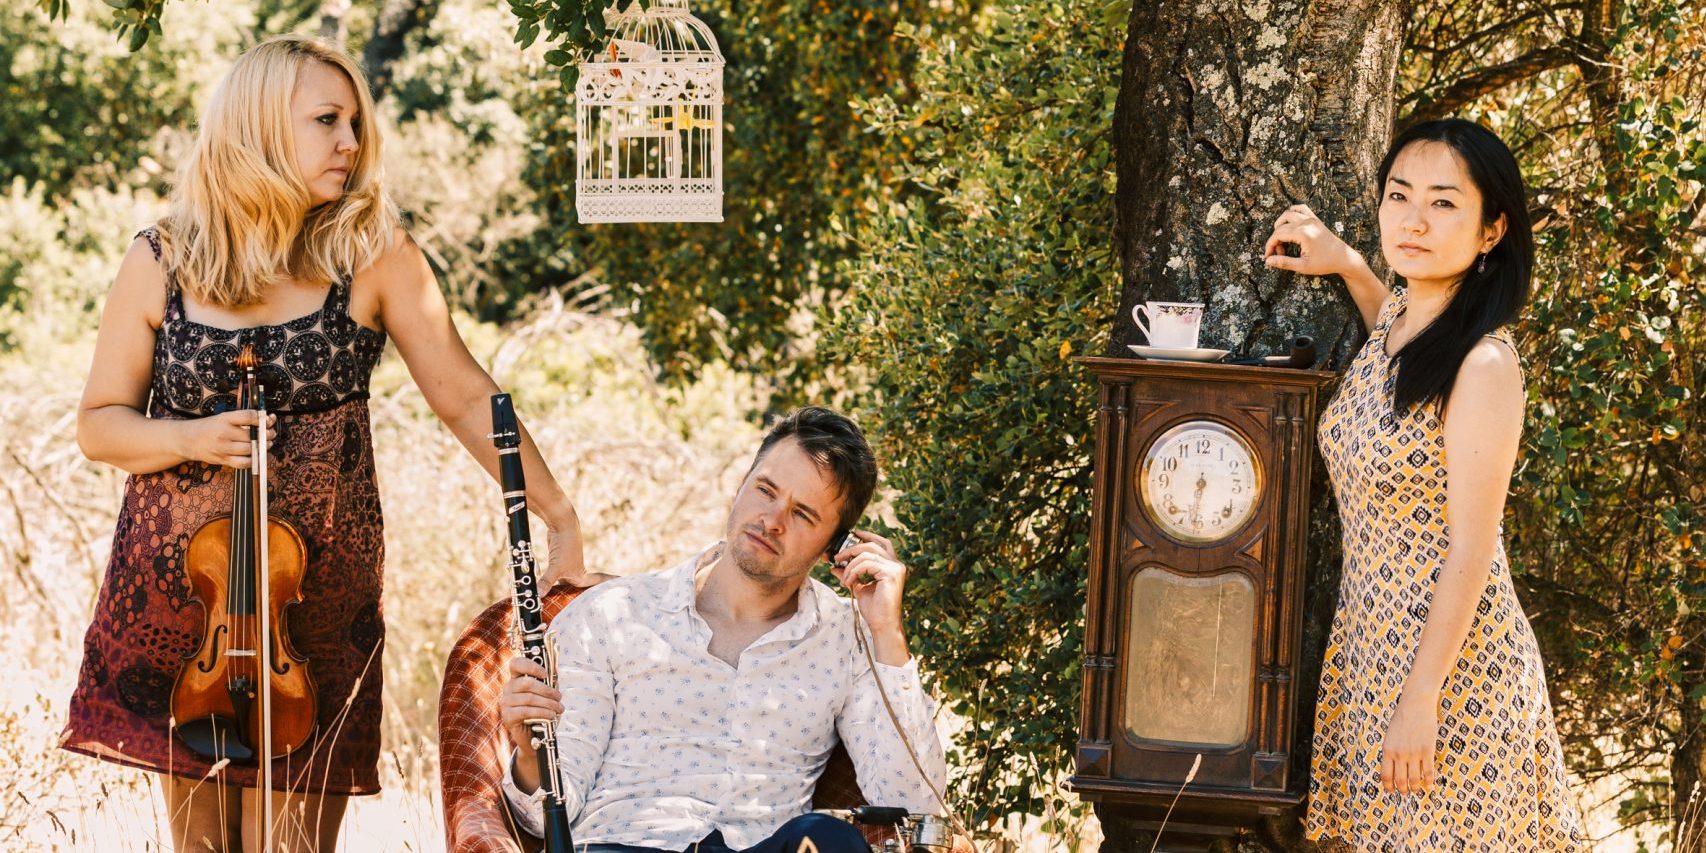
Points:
[(1433, 729)]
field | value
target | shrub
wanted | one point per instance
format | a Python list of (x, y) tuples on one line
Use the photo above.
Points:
[(983, 267)]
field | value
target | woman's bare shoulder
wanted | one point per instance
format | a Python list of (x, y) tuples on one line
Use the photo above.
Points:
[(1488, 393), (1494, 358), (401, 258), (140, 285)]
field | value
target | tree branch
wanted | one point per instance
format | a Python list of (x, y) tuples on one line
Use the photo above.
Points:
[(1469, 87), (391, 27), (1494, 29), (1693, 221)]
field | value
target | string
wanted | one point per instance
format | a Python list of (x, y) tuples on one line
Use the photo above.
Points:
[(859, 638), (241, 497)]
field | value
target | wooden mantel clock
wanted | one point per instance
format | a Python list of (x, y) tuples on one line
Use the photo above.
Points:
[(1194, 608)]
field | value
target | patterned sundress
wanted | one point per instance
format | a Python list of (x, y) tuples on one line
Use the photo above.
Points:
[(315, 370), (1500, 783)]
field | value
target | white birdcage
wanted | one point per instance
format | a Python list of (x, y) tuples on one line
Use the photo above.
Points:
[(649, 119)]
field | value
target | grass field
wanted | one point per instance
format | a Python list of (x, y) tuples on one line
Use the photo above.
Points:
[(650, 469)]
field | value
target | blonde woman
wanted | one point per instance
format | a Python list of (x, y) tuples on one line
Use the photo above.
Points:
[(280, 237)]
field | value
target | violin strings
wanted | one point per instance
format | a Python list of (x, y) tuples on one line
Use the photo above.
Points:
[(240, 544), (243, 539)]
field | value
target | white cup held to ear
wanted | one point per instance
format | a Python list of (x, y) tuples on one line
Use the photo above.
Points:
[(1174, 325)]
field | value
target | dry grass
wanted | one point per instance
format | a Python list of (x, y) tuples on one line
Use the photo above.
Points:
[(650, 470), (1692, 836)]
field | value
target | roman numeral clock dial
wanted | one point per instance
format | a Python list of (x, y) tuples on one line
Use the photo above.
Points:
[(1200, 481)]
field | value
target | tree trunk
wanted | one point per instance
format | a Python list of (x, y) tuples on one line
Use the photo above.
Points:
[(1688, 763), (331, 15), (1229, 111), (391, 28)]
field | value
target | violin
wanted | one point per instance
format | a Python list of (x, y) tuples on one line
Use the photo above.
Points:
[(245, 695)]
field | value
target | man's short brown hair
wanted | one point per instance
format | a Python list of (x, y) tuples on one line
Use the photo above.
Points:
[(838, 446)]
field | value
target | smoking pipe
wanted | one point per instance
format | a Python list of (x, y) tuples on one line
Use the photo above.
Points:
[(1302, 355)]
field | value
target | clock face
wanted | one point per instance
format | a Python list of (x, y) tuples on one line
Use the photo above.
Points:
[(1200, 481)]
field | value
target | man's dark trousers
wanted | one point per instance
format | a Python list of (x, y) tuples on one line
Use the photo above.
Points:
[(827, 834)]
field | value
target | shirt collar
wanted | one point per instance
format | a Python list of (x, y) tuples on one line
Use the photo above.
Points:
[(805, 613), (679, 593)]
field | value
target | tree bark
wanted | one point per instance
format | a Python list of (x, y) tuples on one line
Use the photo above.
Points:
[(1603, 80), (1229, 111), (331, 15), (1688, 770)]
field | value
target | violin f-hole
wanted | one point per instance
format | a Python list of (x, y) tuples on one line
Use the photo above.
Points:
[(212, 660)]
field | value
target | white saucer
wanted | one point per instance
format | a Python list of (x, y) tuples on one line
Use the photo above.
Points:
[(1178, 353)]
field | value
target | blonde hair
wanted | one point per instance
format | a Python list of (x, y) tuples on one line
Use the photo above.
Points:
[(242, 217)]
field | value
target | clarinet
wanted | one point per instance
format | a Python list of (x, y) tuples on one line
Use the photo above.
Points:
[(528, 630)]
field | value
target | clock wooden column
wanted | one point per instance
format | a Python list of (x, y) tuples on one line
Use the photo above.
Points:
[(1193, 613)]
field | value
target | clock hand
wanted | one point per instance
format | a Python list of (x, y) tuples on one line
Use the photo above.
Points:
[(1196, 504)]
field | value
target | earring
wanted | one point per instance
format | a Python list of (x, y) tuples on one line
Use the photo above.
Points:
[(1482, 266)]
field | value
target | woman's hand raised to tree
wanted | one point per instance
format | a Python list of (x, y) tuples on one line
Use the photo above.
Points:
[(1320, 251)]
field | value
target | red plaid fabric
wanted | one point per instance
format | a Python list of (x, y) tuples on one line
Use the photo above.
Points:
[(473, 751)]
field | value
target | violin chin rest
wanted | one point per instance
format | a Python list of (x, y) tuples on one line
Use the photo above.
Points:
[(215, 739)]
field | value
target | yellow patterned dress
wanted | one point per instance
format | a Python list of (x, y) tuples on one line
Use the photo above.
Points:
[(1500, 782)]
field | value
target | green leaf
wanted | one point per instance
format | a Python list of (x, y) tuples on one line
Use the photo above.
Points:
[(595, 20), (576, 31)]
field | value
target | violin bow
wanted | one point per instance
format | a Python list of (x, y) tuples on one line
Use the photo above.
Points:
[(258, 451)]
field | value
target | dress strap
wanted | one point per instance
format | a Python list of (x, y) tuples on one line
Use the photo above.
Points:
[(1388, 314), (1393, 307), (1504, 338), (152, 235), (337, 301), (174, 296)]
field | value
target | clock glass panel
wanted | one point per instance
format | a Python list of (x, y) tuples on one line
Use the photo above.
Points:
[(1200, 481), (1190, 658)]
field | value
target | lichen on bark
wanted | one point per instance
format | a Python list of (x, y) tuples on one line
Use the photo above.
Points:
[(1228, 113)]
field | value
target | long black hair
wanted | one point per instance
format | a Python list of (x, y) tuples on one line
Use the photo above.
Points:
[(1486, 298)]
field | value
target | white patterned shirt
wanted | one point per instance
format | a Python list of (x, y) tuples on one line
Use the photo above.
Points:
[(660, 742)]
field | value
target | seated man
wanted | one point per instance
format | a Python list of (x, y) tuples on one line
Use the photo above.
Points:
[(697, 706)]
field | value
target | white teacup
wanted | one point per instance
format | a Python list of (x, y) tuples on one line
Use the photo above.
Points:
[(1174, 325)]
